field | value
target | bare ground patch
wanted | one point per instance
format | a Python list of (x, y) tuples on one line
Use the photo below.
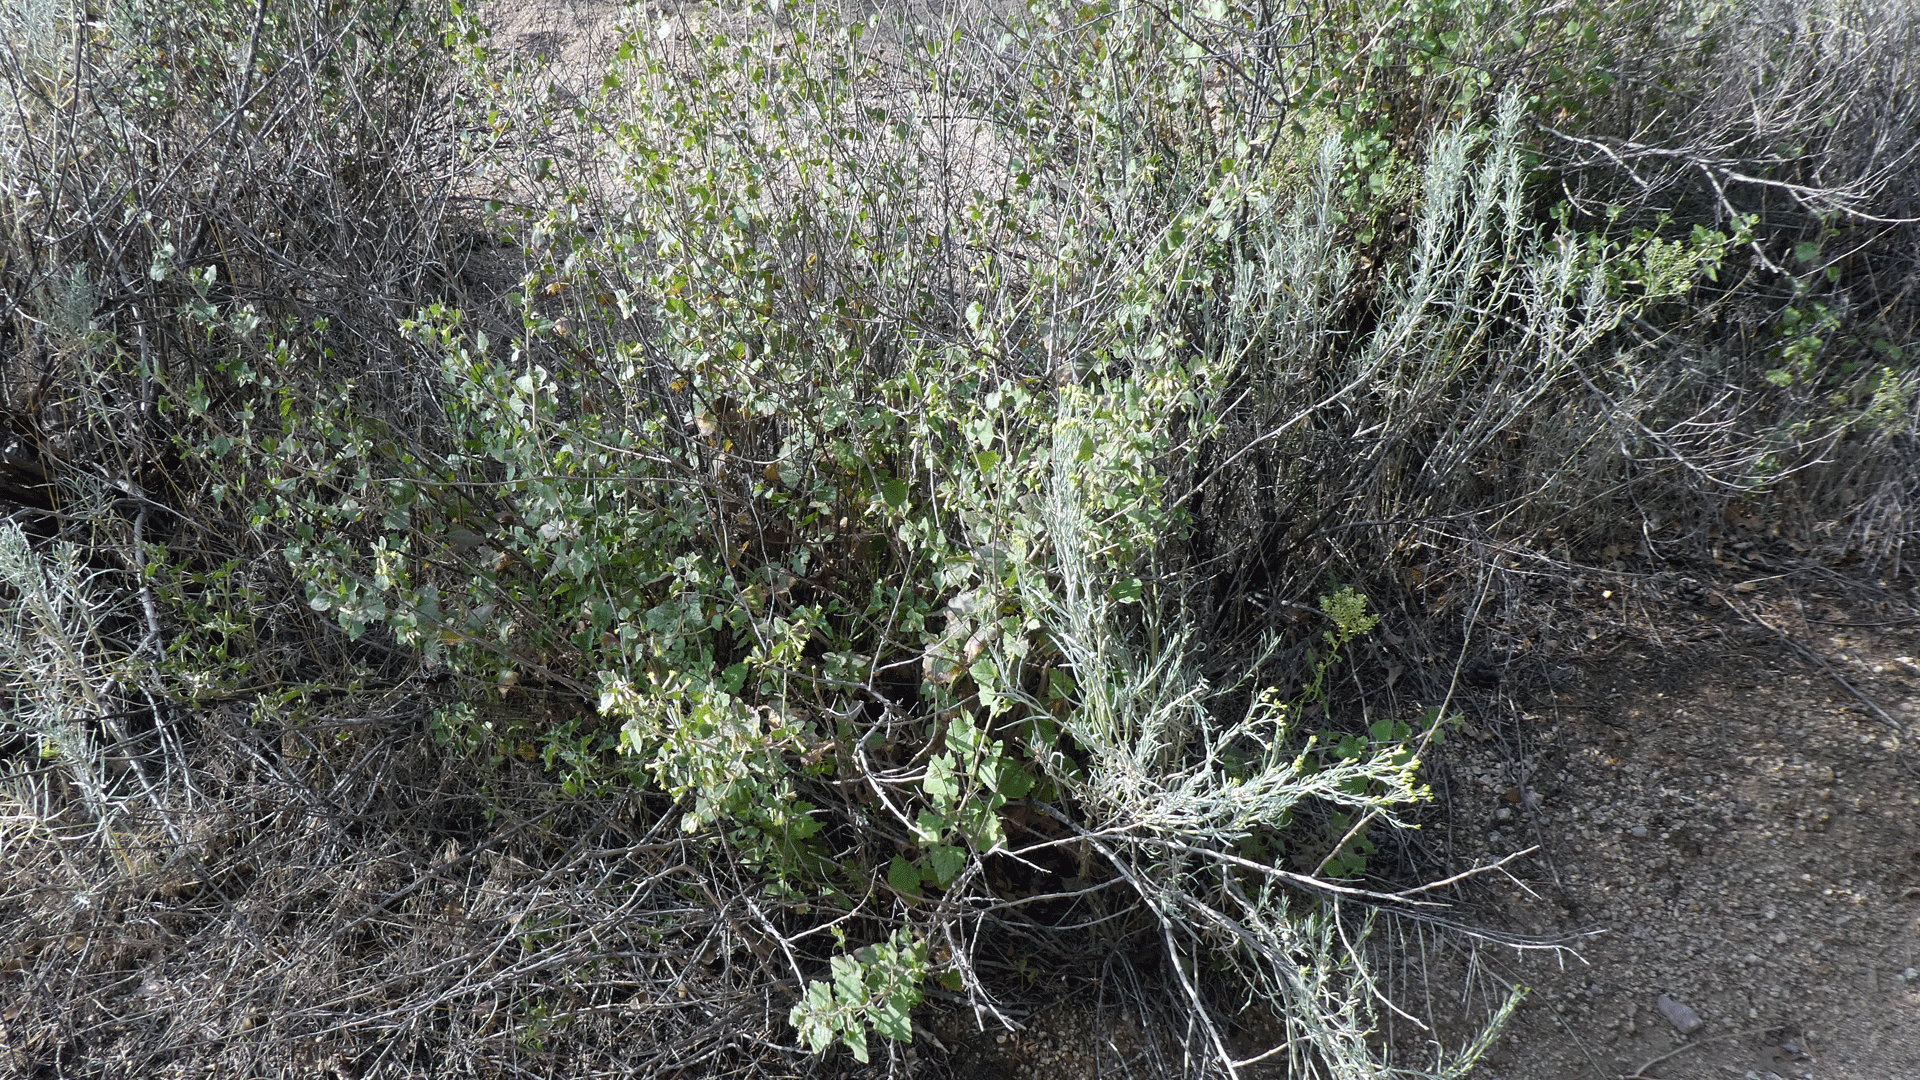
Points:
[(1729, 805)]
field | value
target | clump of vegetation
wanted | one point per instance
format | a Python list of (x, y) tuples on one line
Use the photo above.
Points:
[(913, 497)]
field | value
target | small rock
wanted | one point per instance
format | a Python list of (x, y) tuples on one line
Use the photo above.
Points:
[(1684, 1019), (1789, 1050), (1639, 831)]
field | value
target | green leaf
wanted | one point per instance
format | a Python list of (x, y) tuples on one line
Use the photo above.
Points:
[(1013, 781), (1060, 685), (982, 824), (808, 1017), (948, 861), (942, 783), (849, 980), (930, 826), (964, 737), (903, 876), (894, 1019), (894, 491), (856, 1040), (1381, 731)]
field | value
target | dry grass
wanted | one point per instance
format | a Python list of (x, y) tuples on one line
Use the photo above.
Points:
[(336, 894)]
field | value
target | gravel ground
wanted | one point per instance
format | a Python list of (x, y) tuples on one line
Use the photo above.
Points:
[(1729, 803)]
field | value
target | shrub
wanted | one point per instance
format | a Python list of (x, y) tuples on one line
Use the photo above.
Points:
[(1771, 125), (832, 484), (899, 464)]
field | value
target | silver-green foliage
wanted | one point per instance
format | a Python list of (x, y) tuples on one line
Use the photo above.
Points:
[(59, 660), (1170, 793)]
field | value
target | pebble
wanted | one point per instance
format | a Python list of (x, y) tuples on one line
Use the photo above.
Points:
[(1683, 1018), (1639, 830)]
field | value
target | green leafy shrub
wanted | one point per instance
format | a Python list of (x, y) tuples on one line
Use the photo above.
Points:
[(876, 987), (818, 480)]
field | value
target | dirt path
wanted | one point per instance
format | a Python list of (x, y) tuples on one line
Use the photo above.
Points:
[(1743, 831)]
